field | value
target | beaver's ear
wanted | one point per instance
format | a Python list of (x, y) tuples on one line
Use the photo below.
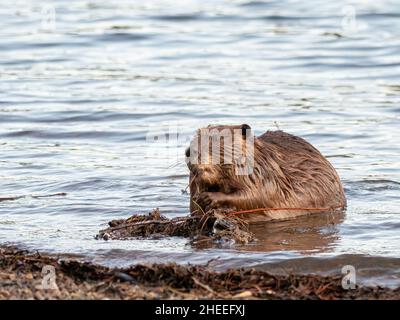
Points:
[(244, 128)]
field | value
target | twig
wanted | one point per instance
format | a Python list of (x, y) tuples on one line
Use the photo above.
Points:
[(206, 287), (141, 223), (32, 196), (11, 198), (50, 195)]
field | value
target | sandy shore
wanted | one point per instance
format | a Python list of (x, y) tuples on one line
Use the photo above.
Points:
[(21, 278)]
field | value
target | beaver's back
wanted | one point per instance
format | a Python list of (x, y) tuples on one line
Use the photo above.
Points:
[(289, 142), (313, 180)]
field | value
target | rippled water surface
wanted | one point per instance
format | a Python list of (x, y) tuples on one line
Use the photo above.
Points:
[(80, 94)]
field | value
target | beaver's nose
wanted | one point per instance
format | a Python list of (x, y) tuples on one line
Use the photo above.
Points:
[(196, 170), (187, 152)]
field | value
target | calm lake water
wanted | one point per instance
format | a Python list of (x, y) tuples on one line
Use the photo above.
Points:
[(84, 83)]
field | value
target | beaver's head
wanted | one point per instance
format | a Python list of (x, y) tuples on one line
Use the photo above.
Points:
[(216, 155)]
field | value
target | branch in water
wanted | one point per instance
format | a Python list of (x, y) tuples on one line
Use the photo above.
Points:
[(11, 198), (34, 197)]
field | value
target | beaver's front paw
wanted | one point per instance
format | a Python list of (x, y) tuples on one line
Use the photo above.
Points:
[(211, 200)]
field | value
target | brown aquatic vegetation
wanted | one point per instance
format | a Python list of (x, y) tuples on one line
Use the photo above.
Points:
[(287, 176), (21, 278), (214, 225)]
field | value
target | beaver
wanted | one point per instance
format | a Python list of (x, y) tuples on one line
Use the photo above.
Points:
[(273, 176)]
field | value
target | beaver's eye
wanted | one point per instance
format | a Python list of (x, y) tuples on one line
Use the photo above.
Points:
[(187, 152), (245, 128)]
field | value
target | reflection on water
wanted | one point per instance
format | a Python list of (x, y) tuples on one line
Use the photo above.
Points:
[(79, 94), (307, 235)]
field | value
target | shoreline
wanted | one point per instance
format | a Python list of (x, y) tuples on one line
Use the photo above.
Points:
[(21, 278)]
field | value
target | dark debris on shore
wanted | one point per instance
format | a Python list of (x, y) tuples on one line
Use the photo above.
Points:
[(21, 278)]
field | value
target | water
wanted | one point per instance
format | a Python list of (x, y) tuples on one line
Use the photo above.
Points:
[(79, 95)]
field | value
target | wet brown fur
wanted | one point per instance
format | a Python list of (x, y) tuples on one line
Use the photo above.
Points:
[(288, 173)]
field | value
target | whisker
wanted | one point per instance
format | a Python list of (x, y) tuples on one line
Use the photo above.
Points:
[(184, 191), (174, 164)]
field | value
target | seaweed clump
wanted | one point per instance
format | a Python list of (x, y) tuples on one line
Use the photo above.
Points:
[(213, 226), (22, 278)]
